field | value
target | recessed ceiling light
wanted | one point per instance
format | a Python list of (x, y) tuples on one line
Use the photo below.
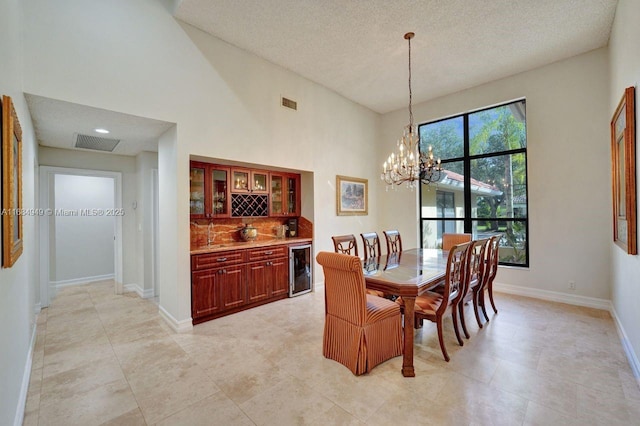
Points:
[(103, 131)]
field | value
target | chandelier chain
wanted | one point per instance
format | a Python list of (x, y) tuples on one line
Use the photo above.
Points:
[(410, 92)]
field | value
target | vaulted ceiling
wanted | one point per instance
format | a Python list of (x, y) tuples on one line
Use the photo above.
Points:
[(357, 49)]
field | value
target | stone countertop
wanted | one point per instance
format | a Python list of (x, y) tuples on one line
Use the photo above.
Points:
[(238, 245)]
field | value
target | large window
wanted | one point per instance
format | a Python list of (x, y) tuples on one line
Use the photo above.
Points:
[(483, 187)]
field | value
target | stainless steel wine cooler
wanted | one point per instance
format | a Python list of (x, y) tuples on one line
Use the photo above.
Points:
[(300, 270)]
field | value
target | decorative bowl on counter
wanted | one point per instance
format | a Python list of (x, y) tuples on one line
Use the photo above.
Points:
[(248, 233)]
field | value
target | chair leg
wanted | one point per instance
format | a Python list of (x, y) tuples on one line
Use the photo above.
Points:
[(441, 339), (464, 325), (454, 318), (476, 309), (493, 305), (482, 305)]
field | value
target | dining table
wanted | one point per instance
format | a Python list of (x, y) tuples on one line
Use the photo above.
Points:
[(408, 273)]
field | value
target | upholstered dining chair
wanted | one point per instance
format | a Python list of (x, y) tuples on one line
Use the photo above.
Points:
[(371, 244), (476, 279), (450, 240), (492, 259), (345, 244), (360, 330), (435, 306), (394, 241)]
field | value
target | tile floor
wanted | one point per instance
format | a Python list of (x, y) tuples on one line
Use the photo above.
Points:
[(106, 359)]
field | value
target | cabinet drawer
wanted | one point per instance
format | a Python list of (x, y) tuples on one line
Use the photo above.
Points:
[(214, 260), (271, 252)]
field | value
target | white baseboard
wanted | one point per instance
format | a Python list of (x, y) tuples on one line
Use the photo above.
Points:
[(76, 281), (183, 326), (26, 378), (554, 296), (626, 345), (145, 294)]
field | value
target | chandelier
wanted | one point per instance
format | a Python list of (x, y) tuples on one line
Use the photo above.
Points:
[(407, 163)]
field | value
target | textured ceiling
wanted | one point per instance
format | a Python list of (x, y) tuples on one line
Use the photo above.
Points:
[(57, 122), (356, 48)]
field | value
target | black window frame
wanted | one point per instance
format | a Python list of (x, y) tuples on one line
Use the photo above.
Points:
[(466, 159)]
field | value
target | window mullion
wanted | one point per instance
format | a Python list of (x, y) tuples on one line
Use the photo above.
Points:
[(467, 177)]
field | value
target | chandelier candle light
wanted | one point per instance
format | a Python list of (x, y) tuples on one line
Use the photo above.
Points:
[(408, 164)]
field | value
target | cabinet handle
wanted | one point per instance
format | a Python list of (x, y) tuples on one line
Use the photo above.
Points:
[(220, 271), (268, 252), (222, 259)]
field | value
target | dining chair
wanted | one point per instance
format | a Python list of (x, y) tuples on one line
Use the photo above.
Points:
[(476, 278), (371, 244), (450, 240), (345, 244), (394, 241), (360, 330), (434, 306), (492, 259)]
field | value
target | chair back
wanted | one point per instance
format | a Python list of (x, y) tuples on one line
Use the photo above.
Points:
[(456, 276), (345, 244), (344, 286), (450, 240), (476, 265), (394, 242), (493, 256), (371, 244)]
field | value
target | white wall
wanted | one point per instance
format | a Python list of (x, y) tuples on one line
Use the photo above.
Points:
[(18, 284), (224, 101), (84, 244), (146, 162), (568, 170), (112, 163), (624, 62)]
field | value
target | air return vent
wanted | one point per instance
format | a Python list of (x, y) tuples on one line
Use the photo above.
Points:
[(96, 143), (289, 103)]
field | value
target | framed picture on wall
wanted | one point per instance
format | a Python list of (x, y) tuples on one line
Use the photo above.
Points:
[(623, 172), (11, 184), (352, 197)]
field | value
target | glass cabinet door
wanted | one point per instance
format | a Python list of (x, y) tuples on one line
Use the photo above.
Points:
[(259, 182), (197, 183), (220, 199), (240, 180), (277, 182), (292, 196)]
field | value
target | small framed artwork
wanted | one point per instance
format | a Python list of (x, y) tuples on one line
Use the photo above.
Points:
[(352, 196), (11, 184), (623, 172)]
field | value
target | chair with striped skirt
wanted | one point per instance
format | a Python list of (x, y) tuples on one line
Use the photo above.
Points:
[(360, 330)]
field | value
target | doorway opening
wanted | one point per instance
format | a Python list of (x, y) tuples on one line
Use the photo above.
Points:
[(80, 228)]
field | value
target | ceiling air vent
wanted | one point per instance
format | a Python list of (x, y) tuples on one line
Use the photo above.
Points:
[(289, 103), (96, 143)]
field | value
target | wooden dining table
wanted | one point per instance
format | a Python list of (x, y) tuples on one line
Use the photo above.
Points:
[(408, 273)]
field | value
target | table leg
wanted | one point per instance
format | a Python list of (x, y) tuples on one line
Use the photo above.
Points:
[(407, 359)]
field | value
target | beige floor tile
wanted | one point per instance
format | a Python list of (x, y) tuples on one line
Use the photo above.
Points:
[(539, 415), (96, 406), (131, 418), (166, 388), (553, 392), (287, 403), (216, 409), (607, 408)]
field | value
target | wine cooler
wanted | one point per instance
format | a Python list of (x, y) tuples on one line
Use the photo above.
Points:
[(300, 270)]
